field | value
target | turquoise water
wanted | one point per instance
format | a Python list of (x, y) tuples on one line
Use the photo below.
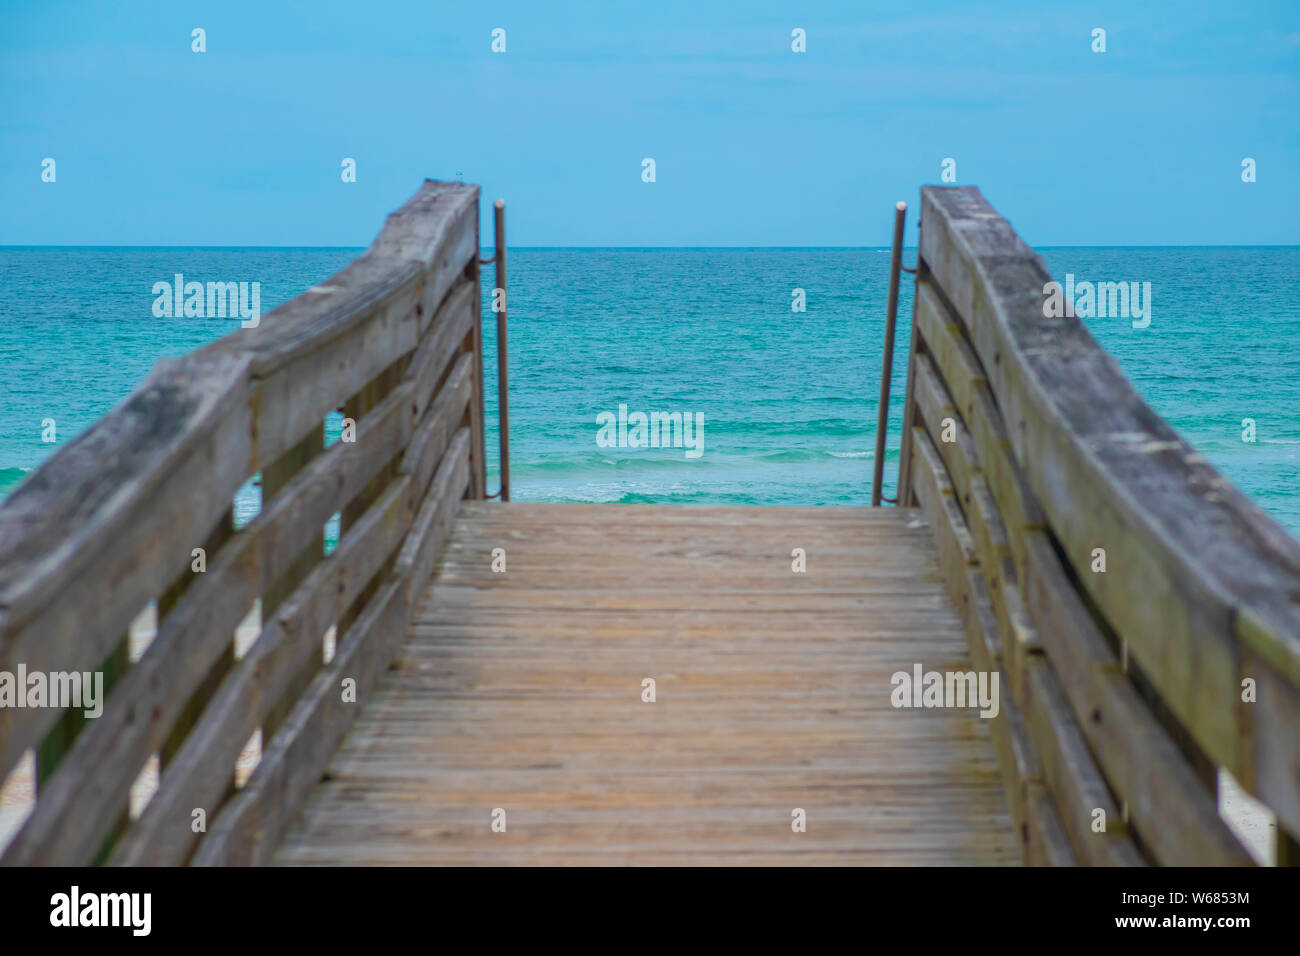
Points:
[(789, 399)]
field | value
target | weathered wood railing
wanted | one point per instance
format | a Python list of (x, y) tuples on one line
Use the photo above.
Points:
[(112, 522), (1035, 459)]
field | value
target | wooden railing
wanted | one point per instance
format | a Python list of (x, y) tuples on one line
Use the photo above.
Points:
[(113, 522), (1035, 460)]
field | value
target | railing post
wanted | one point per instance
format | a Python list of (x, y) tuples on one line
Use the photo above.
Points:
[(503, 400), (887, 370), (476, 416)]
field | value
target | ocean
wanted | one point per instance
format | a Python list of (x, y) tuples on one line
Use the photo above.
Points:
[(788, 398)]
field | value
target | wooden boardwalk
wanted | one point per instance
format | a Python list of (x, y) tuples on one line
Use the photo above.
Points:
[(522, 690), (1140, 616)]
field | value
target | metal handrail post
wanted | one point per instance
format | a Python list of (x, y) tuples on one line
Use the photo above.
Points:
[(503, 401), (891, 319)]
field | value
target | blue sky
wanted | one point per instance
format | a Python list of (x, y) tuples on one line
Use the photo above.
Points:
[(754, 144)]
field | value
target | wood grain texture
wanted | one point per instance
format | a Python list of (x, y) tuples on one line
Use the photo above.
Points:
[(289, 638), (1043, 838), (522, 690), (333, 339), (1200, 583), (250, 826), (1173, 813), (1176, 815), (1074, 782), (107, 524)]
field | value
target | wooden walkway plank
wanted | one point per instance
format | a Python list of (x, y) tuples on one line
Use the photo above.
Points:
[(522, 691)]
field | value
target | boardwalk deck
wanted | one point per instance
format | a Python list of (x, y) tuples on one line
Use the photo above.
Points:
[(522, 690), (1141, 616)]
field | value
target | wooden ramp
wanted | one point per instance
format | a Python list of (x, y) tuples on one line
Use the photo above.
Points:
[(523, 691)]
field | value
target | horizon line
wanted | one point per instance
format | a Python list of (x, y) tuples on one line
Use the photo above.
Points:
[(643, 247)]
